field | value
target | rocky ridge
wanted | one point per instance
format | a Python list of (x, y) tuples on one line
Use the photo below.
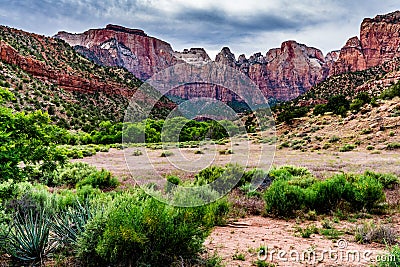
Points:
[(282, 73)]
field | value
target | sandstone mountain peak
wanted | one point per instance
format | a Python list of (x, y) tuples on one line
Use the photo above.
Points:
[(118, 28), (282, 73), (393, 17), (225, 57)]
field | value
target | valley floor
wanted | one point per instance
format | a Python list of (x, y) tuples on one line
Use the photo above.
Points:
[(238, 243)]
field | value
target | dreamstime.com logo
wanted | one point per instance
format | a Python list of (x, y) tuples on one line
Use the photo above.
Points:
[(220, 80), (338, 255)]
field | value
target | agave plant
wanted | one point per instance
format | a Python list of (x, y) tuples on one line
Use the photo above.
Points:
[(28, 238), (67, 225)]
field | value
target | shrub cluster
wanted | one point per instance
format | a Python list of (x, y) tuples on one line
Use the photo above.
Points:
[(291, 192), (391, 92)]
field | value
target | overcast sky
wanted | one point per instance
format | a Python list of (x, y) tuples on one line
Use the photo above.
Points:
[(246, 26)]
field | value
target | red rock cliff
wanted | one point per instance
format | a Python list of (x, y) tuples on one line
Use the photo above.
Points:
[(379, 42), (282, 73), (118, 46)]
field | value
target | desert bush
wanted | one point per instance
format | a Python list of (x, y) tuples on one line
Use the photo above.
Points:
[(289, 113), (288, 194), (370, 232), (392, 259), (393, 146), (334, 139), (172, 181), (137, 153), (365, 193), (282, 199), (347, 148), (72, 173), (391, 92), (356, 105), (225, 152), (166, 153), (386, 179), (308, 231), (325, 196), (137, 230), (208, 175), (287, 172), (99, 179), (320, 109), (252, 175), (338, 104)]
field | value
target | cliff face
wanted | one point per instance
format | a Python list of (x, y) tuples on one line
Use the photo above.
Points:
[(282, 73), (118, 46), (379, 42)]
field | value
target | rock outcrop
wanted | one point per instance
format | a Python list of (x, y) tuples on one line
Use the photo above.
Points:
[(379, 42), (282, 73), (118, 46), (195, 56)]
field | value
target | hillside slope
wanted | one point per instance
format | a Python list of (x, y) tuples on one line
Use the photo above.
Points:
[(48, 74)]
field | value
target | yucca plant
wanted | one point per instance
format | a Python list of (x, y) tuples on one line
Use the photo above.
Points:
[(28, 239), (68, 224)]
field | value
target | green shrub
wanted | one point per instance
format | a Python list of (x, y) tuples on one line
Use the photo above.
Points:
[(338, 104), (99, 179), (208, 175), (282, 199), (334, 139), (393, 146), (308, 231), (320, 109), (138, 230), (367, 192), (167, 153), (287, 172), (137, 153), (364, 96), (356, 105), (289, 194), (171, 181), (331, 233), (392, 259), (254, 175), (347, 148), (391, 92), (225, 152), (72, 173), (386, 179), (325, 196), (366, 131)]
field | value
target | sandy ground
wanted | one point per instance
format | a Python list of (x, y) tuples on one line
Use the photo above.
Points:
[(186, 163), (279, 236), (244, 240)]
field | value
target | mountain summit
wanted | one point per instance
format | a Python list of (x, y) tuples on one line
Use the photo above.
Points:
[(282, 73)]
